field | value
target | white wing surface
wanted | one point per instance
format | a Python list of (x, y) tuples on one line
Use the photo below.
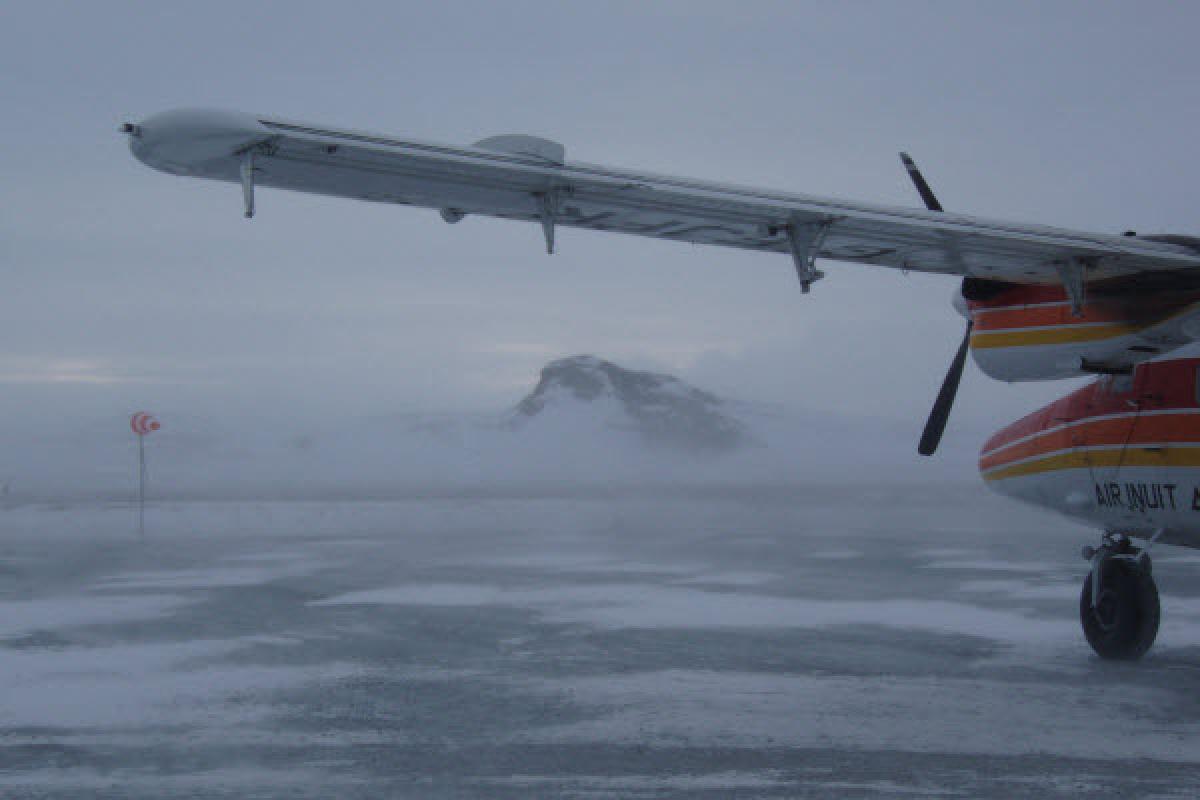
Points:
[(527, 178)]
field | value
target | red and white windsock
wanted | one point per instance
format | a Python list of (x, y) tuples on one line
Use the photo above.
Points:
[(142, 423)]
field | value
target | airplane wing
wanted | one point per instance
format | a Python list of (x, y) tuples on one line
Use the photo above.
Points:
[(528, 178)]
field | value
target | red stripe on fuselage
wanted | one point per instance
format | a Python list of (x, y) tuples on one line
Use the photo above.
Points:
[(1156, 389), (1047, 306), (1146, 428)]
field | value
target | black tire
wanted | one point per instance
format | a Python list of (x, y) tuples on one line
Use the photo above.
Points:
[(1125, 622)]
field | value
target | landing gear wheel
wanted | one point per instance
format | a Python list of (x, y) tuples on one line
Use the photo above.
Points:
[(1124, 621)]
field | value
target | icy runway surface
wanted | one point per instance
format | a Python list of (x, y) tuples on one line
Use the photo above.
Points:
[(685, 643)]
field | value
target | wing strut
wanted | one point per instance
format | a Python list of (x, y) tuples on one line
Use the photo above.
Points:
[(804, 240), (247, 172), (548, 201), (1075, 282)]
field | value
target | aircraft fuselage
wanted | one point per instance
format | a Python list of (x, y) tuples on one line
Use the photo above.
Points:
[(1122, 453)]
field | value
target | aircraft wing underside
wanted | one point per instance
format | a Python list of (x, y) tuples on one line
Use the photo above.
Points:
[(526, 178)]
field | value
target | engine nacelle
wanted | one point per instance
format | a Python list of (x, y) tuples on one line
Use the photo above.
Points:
[(1031, 333)]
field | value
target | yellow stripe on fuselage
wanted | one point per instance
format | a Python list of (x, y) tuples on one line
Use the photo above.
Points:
[(1065, 334), (1112, 457)]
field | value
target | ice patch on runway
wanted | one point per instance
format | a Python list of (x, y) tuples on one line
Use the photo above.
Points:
[(836, 555), (583, 562), (695, 782), (993, 565), (24, 616), (1176, 555), (674, 708), (140, 685), (212, 577), (432, 594), (945, 552), (731, 578), (1022, 590), (269, 557), (885, 788), (1174, 605), (635, 605), (300, 779), (551, 562)]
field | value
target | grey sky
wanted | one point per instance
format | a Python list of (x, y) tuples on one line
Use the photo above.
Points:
[(126, 288)]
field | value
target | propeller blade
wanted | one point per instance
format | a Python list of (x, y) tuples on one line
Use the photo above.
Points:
[(918, 180), (936, 423)]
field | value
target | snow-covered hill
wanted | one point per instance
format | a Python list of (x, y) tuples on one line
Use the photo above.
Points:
[(659, 409)]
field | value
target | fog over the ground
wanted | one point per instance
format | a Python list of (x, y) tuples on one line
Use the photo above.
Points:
[(589, 424), (125, 288)]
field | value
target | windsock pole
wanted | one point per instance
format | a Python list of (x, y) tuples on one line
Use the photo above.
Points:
[(141, 486), (141, 424)]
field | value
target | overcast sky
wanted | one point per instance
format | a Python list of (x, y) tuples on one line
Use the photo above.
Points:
[(124, 287)]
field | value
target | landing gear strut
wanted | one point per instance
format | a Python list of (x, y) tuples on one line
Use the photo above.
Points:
[(1119, 603)]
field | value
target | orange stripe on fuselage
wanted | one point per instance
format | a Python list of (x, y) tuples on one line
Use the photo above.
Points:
[(1132, 430), (1047, 320), (1062, 334), (1091, 459), (1056, 314)]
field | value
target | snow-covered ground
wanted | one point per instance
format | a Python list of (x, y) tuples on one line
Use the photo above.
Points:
[(830, 642)]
